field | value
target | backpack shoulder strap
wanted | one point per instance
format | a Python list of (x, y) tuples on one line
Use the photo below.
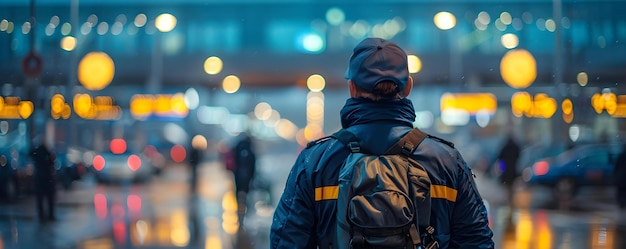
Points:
[(406, 146), (408, 143)]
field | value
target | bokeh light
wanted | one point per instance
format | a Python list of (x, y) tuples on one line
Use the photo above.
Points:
[(118, 146), (444, 20), (518, 68), (335, 16), (96, 71), (165, 22), (68, 43), (178, 153), (509, 41), (262, 111), (213, 65), (199, 142), (582, 78), (415, 64), (231, 84), (316, 83)]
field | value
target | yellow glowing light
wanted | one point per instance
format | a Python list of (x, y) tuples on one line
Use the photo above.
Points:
[(82, 104), (162, 104), (26, 108), (68, 43), (12, 107), (518, 68), (141, 105), (567, 106), (444, 20), (470, 102), (620, 109), (415, 64), (58, 107), (57, 103), (545, 106), (524, 229), (96, 71), (231, 84), (605, 101), (543, 232), (178, 106), (165, 22), (213, 65), (521, 103), (597, 103), (316, 83), (67, 111)]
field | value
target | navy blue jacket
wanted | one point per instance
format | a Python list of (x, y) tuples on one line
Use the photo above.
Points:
[(305, 215)]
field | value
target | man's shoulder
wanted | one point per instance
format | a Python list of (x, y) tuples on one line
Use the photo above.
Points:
[(440, 140), (318, 142)]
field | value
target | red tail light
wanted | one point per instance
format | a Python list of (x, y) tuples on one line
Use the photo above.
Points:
[(541, 168), (118, 146), (134, 162), (98, 162)]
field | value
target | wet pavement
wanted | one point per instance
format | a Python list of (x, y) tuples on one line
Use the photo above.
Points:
[(163, 213)]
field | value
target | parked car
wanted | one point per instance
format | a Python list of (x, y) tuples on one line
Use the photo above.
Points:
[(122, 167), (583, 165)]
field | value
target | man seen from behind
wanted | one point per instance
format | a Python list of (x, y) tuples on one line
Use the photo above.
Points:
[(379, 113)]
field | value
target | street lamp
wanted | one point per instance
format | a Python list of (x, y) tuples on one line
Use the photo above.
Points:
[(446, 21), (164, 23)]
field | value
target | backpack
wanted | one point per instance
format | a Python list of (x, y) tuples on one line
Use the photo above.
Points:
[(380, 194)]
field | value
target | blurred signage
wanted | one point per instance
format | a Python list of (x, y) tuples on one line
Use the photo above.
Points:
[(98, 108), (59, 108), (12, 107), (143, 106), (539, 106), (472, 103), (614, 105)]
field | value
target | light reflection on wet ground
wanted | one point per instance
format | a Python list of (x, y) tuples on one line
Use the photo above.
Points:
[(164, 214)]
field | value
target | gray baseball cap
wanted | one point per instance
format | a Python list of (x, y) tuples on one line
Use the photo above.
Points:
[(374, 60)]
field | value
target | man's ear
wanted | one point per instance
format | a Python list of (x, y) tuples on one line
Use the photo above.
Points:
[(408, 88), (353, 90)]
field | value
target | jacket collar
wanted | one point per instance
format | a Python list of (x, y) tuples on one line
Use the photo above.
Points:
[(358, 111)]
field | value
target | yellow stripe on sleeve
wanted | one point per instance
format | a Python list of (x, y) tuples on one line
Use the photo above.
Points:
[(436, 191), (326, 193), (443, 192)]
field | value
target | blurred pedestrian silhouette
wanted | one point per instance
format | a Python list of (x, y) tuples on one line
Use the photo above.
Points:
[(245, 167), (45, 178), (194, 217), (507, 165), (620, 177), (196, 152)]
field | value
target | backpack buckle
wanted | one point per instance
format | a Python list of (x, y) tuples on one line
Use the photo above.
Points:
[(355, 147), (407, 148)]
